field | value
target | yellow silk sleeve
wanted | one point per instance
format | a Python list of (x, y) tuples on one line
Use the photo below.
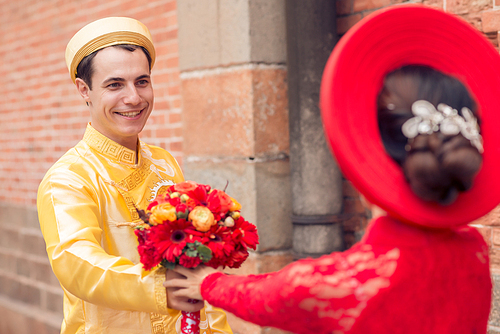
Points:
[(72, 226)]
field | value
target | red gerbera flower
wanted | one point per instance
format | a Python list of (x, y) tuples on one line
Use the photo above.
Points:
[(218, 239), (199, 194), (170, 238), (245, 233)]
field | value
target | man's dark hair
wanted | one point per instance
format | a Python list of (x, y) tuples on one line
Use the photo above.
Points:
[(85, 69)]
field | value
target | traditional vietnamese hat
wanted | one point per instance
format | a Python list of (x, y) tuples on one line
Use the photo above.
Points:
[(107, 32), (377, 45)]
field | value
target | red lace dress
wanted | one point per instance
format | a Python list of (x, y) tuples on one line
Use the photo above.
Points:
[(398, 279)]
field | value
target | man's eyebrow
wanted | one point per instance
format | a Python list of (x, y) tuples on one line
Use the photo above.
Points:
[(108, 80), (144, 76)]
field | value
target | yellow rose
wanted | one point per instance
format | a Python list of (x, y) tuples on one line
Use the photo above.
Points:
[(161, 213), (202, 218)]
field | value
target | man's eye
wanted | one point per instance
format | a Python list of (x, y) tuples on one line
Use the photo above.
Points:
[(114, 85), (142, 82)]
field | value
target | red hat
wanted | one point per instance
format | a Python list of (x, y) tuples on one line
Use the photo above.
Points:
[(380, 43)]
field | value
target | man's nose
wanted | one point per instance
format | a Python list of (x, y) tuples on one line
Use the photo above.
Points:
[(132, 95)]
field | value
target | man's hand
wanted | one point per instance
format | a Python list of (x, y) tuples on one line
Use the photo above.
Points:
[(178, 302)]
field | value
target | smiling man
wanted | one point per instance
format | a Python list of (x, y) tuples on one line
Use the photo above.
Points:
[(87, 201)]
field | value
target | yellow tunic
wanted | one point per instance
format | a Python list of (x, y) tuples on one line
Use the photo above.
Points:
[(86, 203)]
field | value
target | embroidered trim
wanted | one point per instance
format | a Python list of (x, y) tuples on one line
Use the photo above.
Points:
[(129, 183), (157, 325), (160, 292), (135, 179), (106, 146)]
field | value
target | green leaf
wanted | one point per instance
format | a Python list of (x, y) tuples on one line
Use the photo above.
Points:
[(205, 253), (191, 252), (168, 265)]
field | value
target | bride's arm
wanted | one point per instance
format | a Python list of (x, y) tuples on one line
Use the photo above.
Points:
[(307, 296)]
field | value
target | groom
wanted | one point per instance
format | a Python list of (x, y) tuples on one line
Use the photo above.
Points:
[(86, 201)]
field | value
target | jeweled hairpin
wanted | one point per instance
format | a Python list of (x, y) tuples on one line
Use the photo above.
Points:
[(445, 119)]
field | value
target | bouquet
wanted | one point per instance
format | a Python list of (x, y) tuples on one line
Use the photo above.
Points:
[(193, 224)]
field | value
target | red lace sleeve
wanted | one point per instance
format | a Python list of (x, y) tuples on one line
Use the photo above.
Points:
[(307, 296)]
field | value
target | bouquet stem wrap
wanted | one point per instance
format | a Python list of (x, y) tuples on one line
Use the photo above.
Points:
[(190, 322)]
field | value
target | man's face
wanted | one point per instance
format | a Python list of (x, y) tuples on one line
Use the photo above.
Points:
[(121, 98)]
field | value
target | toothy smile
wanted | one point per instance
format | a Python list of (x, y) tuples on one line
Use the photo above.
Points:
[(129, 114)]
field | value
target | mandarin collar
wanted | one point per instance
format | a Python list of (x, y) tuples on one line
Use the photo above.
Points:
[(110, 148)]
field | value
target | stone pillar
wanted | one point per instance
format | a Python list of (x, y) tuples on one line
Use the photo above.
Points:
[(316, 180), (232, 58)]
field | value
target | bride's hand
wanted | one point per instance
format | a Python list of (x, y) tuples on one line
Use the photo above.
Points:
[(190, 286)]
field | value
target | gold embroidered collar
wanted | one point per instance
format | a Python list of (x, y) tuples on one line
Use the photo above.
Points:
[(108, 147)]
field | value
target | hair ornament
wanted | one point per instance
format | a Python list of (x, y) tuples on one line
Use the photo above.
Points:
[(444, 119)]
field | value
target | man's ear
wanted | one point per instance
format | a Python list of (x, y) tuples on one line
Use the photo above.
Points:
[(83, 89)]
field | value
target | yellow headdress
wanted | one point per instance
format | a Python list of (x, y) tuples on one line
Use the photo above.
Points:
[(107, 32)]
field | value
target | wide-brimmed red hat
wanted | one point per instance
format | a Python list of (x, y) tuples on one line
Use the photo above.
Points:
[(380, 43)]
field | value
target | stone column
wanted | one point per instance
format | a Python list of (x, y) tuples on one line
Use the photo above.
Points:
[(232, 57), (316, 180)]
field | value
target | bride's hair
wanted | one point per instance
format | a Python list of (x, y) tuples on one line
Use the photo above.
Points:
[(436, 166)]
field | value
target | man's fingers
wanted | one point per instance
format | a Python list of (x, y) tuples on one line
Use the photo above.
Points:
[(171, 274), (181, 293), (175, 283), (182, 270)]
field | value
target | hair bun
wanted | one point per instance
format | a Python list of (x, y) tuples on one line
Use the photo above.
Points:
[(438, 167)]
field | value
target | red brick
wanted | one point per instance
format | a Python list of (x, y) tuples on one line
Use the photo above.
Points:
[(174, 118), (344, 7), (346, 22), (362, 5), (490, 20), (54, 302), (434, 3), (461, 7), (495, 259)]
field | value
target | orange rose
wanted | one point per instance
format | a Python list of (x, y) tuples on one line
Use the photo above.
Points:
[(186, 186), (161, 213), (202, 218), (219, 201)]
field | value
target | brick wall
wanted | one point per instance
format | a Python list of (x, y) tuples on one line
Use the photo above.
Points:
[(42, 117)]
